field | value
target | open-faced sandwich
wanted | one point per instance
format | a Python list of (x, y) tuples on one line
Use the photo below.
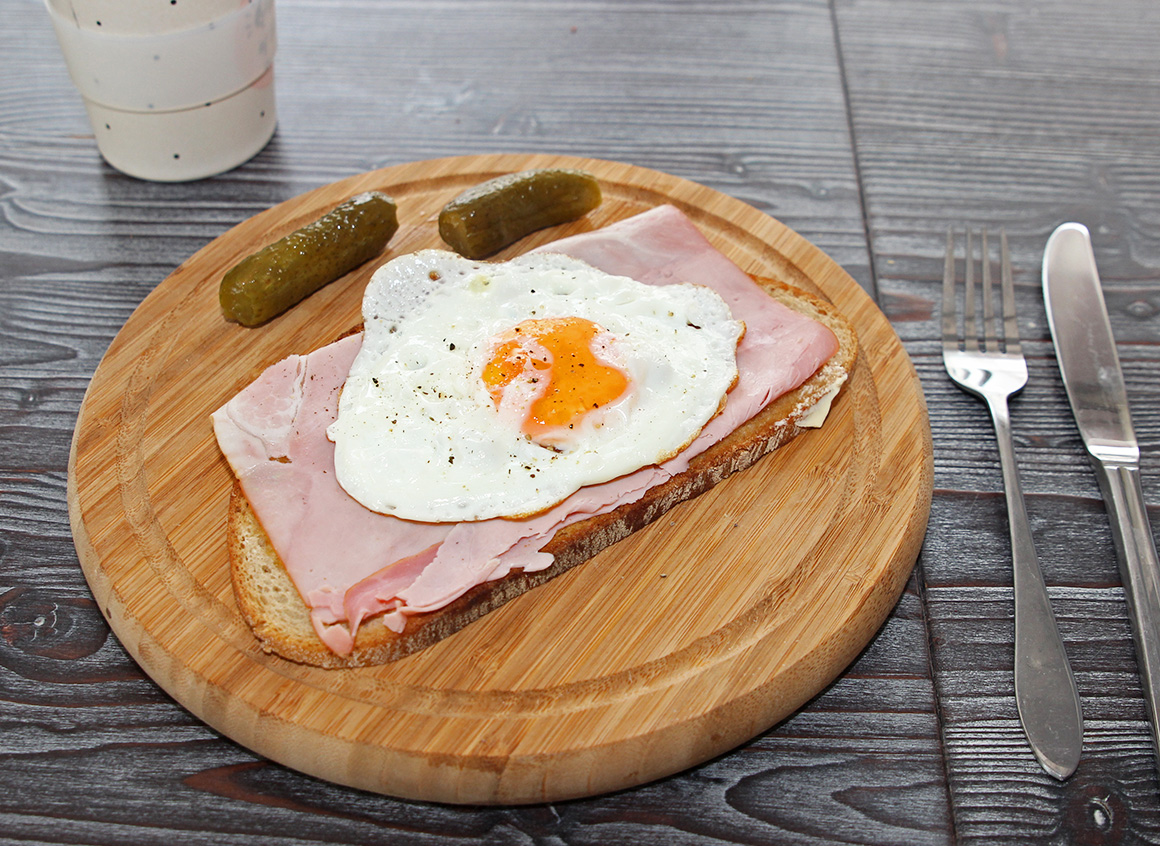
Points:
[(493, 424)]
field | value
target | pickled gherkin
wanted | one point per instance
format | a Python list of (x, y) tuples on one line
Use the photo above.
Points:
[(483, 220), (270, 281)]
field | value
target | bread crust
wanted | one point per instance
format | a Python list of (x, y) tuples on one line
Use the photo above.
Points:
[(281, 621)]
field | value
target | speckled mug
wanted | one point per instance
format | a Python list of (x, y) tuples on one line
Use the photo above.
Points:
[(175, 89)]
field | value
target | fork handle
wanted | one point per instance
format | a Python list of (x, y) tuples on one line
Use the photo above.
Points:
[(1045, 689)]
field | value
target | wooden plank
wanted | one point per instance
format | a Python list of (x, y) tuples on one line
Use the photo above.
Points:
[(82, 243), (1019, 116)]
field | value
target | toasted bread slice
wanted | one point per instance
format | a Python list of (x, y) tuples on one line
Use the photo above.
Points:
[(281, 621)]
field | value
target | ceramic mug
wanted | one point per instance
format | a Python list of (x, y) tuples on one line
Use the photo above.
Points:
[(175, 90)]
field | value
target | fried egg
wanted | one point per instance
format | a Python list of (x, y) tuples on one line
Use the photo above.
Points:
[(498, 389)]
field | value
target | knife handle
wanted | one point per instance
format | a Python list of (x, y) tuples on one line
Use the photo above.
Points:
[(1139, 571)]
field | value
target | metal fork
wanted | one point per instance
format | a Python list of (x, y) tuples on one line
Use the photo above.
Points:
[(988, 362)]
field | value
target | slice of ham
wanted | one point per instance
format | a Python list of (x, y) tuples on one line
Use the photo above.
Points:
[(350, 563), (781, 348)]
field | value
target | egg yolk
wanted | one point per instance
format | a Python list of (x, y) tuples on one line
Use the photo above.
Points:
[(558, 350)]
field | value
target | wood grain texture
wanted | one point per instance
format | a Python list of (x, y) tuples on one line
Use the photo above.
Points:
[(83, 245), (672, 647), (919, 114), (1020, 116)]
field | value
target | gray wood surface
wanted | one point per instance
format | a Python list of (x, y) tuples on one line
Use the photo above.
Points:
[(868, 126)]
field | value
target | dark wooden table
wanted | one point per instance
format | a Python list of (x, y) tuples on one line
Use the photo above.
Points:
[(868, 126)]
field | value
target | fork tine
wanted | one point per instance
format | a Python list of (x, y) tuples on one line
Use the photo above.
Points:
[(950, 329), (991, 342), (1010, 322), (970, 335)]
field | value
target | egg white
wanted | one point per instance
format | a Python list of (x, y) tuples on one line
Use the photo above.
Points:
[(418, 435)]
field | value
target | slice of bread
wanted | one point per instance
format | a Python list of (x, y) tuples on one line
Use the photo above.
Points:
[(281, 621)]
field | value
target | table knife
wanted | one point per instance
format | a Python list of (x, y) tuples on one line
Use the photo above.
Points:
[(1086, 351)]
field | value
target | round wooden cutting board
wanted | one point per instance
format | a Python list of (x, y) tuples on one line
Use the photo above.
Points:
[(673, 646)]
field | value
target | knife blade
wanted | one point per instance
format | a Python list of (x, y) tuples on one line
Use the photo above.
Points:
[(1086, 351)]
